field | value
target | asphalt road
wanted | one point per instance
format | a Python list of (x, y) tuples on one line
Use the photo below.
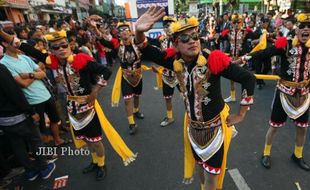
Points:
[(159, 165)]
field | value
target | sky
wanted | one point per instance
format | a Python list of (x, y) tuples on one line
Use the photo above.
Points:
[(120, 2)]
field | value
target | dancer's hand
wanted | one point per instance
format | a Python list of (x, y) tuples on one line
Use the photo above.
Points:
[(234, 119), (148, 19), (91, 98), (36, 118)]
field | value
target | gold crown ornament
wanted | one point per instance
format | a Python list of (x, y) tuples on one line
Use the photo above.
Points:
[(122, 24), (184, 24)]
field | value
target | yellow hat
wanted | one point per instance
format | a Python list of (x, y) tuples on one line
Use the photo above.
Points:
[(184, 24), (169, 19), (236, 17), (303, 17), (120, 24), (53, 36)]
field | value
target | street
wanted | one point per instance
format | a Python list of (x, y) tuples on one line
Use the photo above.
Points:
[(159, 165)]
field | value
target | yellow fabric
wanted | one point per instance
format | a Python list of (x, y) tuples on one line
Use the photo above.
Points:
[(159, 79), (267, 77), (233, 94), (131, 120), (298, 151), (202, 186), (116, 91), (117, 87), (146, 68), (101, 161), (94, 157), (113, 137), (262, 43), (189, 159), (267, 150), (169, 114), (135, 110)]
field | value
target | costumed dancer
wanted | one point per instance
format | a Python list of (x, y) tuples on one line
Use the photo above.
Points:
[(83, 78), (166, 78), (207, 131), (236, 37), (292, 97)]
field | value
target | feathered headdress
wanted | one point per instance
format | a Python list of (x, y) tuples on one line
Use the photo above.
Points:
[(182, 25)]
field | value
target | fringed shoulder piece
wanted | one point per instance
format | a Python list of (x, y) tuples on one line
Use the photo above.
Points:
[(281, 43), (218, 61), (170, 52)]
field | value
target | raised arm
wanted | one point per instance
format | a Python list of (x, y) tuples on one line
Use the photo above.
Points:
[(26, 48)]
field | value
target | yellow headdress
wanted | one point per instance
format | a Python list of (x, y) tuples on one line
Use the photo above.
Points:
[(182, 25), (303, 17), (53, 36), (169, 19), (120, 24), (236, 17)]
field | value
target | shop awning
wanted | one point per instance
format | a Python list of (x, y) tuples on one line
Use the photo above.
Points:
[(18, 4), (205, 1), (250, 1), (52, 11)]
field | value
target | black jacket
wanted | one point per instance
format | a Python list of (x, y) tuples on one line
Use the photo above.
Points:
[(12, 98)]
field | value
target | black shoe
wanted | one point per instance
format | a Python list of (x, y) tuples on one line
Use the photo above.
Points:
[(133, 129), (101, 173), (92, 167), (266, 161), (139, 115), (300, 162)]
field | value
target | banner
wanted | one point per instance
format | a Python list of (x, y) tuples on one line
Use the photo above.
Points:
[(143, 5)]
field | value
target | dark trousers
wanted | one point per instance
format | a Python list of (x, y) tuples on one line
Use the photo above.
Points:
[(262, 66), (26, 133)]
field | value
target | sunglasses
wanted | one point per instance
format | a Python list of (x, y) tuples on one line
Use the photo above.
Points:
[(303, 25), (123, 29), (184, 38), (63, 46)]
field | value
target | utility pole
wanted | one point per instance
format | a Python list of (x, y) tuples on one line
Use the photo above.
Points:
[(78, 10), (221, 7)]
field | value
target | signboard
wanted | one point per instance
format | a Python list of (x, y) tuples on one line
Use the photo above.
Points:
[(193, 9)]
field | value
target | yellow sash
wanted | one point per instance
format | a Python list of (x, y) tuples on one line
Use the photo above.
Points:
[(262, 43), (189, 161), (113, 137), (117, 87), (267, 77)]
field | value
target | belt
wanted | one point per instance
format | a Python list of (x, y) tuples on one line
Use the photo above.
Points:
[(78, 99), (214, 122), (291, 84)]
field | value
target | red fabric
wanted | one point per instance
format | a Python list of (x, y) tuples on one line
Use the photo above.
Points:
[(249, 30), (100, 49), (281, 42), (225, 32), (218, 61), (80, 61), (115, 43), (170, 52), (54, 62)]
